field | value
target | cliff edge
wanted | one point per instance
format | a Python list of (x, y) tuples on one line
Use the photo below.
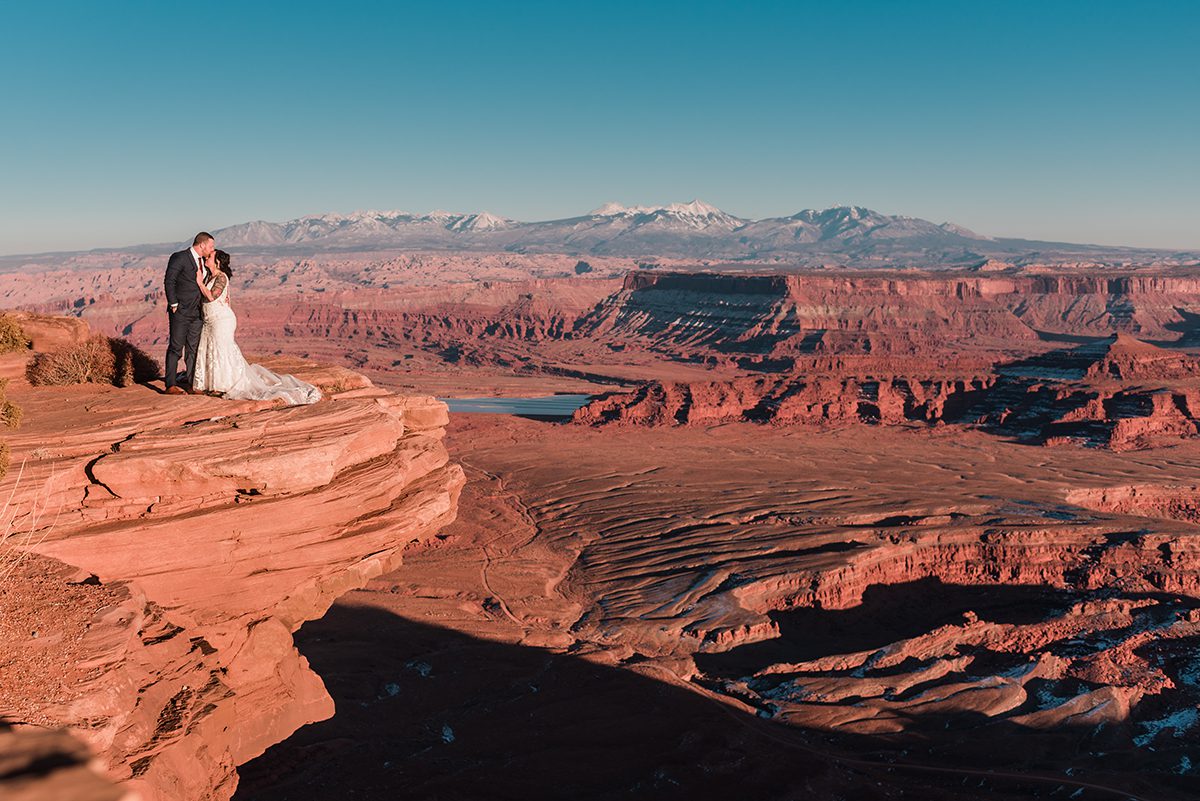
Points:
[(179, 542)]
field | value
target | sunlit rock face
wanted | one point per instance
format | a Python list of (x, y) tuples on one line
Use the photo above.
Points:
[(1117, 392), (217, 528)]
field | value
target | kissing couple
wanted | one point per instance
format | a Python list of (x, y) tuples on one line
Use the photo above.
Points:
[(203, 326)]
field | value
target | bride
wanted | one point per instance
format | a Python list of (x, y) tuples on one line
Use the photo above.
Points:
[(220, 366)]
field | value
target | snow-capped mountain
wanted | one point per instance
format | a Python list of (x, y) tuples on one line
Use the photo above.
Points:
[(483, 221), (364, 228), (696, 215), (852, 224), (698, 230)]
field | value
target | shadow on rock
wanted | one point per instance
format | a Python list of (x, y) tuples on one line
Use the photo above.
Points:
[(428, 713)]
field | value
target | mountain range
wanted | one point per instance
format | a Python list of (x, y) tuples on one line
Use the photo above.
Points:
[(842, 234)]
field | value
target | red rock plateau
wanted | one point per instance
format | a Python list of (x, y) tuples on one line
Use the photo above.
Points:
[(810, 544)]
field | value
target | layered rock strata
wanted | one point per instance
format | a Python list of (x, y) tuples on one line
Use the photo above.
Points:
[(789, 315), (222, 526), (389, 313), (790, 400), (1117, 393), (942, 593)]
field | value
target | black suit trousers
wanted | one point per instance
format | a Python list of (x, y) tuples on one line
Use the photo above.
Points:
[(185, 341)]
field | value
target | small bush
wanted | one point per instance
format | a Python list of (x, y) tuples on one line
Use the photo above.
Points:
[(12, 337), (90, 362), (334, 388), (10, 413), (99, 360), (582, 267), (133, 365)]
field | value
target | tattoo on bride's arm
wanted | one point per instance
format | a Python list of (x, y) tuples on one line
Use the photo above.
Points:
[(204, 290)]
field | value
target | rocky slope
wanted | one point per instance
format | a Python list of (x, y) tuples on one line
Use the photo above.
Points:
[(218, 527)]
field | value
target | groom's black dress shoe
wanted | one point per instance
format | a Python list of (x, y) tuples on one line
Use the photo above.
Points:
[(176, 390)]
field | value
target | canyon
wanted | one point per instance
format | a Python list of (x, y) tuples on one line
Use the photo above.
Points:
[(819, 533), (961, 629)]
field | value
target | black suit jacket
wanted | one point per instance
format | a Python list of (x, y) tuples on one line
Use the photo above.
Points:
[(180, 282)]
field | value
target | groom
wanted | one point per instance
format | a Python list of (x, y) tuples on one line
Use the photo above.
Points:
[(183, 308)]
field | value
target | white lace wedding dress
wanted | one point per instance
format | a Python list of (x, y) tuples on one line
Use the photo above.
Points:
[(220, 366)]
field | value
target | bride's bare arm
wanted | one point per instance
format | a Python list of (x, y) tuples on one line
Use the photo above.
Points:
[(219, 281), (208, 293)]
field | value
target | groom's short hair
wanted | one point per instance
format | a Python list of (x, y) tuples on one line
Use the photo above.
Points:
[(201, 238)]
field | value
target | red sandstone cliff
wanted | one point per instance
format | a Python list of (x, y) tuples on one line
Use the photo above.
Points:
[(787, 400), (787, 315), (215, 529), (1118, 393)]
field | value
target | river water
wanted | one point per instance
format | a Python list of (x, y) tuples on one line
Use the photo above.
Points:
[(550, 406)]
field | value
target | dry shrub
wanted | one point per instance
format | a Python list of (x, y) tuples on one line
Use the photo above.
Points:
[(99, 360), (133, 365), (12, 337), (90, 362), (10, 413)]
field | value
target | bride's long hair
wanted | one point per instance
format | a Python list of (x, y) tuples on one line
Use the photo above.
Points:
[(223, 263)]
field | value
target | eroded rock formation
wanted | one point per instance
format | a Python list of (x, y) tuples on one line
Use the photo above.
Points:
[(787, 315), (1118, 393), (866, 581), (794, 399), (940, 596), (396, 313), (217, 527)]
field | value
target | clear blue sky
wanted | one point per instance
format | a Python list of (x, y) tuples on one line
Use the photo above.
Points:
[(131, 122)]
